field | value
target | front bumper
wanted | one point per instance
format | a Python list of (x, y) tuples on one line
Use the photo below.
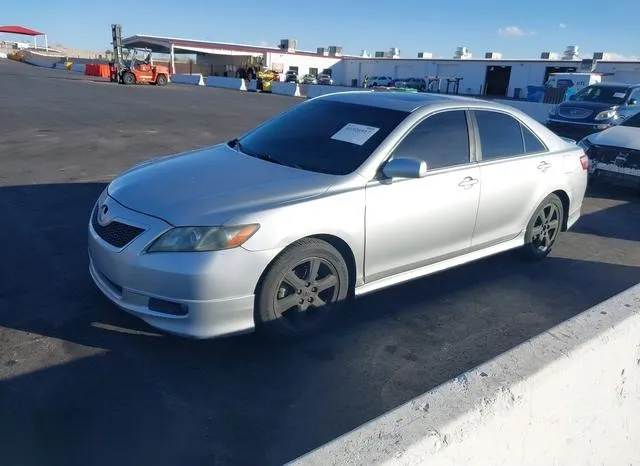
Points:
[(197, 295), (614, 174)]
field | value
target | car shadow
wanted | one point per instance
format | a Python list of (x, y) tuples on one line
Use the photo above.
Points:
[(618, 221), (107, 389)]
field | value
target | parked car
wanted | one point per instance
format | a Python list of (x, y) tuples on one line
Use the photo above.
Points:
[(309, 79), (325, 79), (379, 81), (418, 84), (339, 196), (291, 76), (614, 154), (594, 108)]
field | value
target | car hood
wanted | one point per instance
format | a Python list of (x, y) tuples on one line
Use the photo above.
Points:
[(625, 137), (210, 186), (594, 106)]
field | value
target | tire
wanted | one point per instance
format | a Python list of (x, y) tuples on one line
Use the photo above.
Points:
[(288, 279), (543, 228), (128, 78), (161, 80)]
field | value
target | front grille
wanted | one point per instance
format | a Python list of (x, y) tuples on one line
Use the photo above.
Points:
[(117, 234), (576, 113)]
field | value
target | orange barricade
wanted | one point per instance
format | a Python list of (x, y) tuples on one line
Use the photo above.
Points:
[(97, 69)]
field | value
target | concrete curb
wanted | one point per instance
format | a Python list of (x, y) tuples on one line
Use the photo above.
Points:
[(567, 396)]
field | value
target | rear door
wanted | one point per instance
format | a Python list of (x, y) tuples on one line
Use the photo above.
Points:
[(516, 170)]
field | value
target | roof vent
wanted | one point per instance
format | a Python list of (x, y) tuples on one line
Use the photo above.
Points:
[(462, 53), (571, 53), (288, 45)]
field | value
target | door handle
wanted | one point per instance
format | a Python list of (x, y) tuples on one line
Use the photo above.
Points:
[(468, 182), (544, 166)]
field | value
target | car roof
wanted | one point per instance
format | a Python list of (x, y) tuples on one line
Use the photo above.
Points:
[(615, 84), (403, 101)]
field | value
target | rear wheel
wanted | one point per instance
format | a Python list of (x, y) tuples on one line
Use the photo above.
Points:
[(128, 78), (303, 291), (161, 80), (543, 228)]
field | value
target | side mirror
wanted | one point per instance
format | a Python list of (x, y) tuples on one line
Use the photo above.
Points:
[(633, 101), (572, 97), (405, 167)]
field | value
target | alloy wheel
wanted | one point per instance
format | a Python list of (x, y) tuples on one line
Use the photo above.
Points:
[(307, 290), (546, 227)]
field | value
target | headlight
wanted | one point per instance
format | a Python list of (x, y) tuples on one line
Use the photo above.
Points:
[(605, 115), (585, 144), (197, 239)]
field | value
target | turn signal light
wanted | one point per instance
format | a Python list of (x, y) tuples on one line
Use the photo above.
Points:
[(584, 161)]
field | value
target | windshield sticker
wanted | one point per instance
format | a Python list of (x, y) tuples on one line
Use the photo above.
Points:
[(355, 134), (618, 95)]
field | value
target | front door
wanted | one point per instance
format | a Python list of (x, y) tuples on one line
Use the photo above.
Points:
[(414, 222)]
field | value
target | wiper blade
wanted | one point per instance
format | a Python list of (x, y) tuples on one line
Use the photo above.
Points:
[(235, 143), (266, 157)]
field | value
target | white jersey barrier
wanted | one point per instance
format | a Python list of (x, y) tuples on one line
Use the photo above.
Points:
[(38, 62), (192, 79), (315, 90), (569, 396), (3, 55), (291, 89), (226, 83)]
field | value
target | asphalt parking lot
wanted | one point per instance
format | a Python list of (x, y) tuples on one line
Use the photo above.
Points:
[(83, 383)]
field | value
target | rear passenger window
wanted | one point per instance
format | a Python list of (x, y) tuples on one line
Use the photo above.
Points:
[(500, 135), (531, 143)]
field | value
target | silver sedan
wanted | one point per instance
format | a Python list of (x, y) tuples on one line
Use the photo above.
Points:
[(342, 195)]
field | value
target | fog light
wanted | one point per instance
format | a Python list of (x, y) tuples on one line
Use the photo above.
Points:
[(167, 307)]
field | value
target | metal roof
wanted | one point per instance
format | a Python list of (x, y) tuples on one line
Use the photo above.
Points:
[(20, 30), (163, 45)]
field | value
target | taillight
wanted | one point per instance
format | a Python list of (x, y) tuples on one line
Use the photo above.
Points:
[(584, 161)]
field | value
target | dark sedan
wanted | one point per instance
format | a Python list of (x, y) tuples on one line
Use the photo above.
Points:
[(594, 108)]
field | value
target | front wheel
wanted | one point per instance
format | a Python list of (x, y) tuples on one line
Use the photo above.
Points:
[(543, 228), (161, 80), (128, 78), (302, 292)]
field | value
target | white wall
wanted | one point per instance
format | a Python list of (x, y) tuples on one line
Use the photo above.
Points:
[(570, 396), (473, 72), (303, 62), (623, 72)]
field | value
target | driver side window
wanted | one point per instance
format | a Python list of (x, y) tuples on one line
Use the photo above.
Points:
[(441, 140), (635, 95)]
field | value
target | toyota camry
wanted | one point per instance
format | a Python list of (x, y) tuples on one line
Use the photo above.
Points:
[(341, 195)]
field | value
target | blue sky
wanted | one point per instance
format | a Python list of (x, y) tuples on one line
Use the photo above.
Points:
[(516, 28)]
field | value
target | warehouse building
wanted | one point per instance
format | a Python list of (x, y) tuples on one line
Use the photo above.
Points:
[(225, 59), (491, 75)]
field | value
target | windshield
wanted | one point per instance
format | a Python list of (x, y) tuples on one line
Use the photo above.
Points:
[(633, 121), (604, 94), (322, 136)]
